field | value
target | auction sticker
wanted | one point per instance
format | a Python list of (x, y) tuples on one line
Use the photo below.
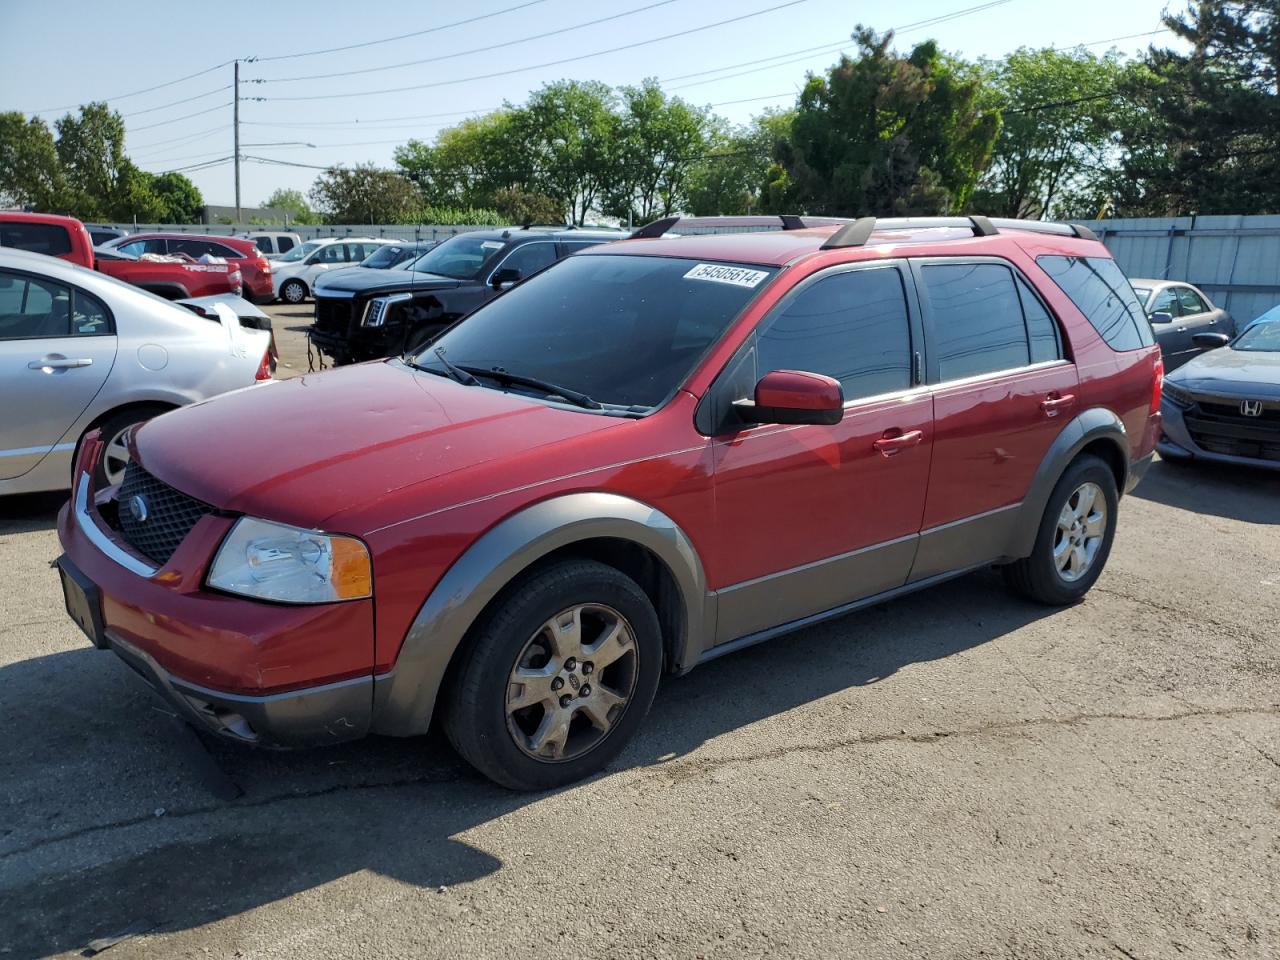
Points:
[(718, 273)]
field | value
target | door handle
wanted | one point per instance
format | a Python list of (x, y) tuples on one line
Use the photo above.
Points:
[(1052, 406), (59, 363), (895, 441)]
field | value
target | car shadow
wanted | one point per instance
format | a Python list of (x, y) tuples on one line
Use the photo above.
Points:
[(29, 512), (1249, 494), (109, 866)]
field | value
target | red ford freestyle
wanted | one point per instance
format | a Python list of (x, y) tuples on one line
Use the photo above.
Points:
[(649, 454)]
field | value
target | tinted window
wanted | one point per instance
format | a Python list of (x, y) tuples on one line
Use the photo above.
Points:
[(1191, 302), (530, 258), (284, 243), (623, 330), (1042, 329), (385, 256), (977, 319), (263, 244), (1100, 291), (851, 326), (32, 307), (1166, 301), (194, 248), (47, 238)]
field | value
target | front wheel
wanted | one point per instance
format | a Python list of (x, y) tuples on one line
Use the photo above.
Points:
[(293, 291), (559, 676), (115, 439), (1074, 538)]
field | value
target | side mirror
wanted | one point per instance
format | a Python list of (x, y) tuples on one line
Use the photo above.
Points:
[(793, 396), (1162, 317), (1210, 341), (504, 278)]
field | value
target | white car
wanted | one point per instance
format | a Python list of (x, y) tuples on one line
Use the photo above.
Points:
[(80, 350), (294, 274), (272, 243)]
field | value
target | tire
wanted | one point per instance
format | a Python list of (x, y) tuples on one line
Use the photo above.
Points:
[(293, 291), (534, 746), (1042, 577), (109, 469)]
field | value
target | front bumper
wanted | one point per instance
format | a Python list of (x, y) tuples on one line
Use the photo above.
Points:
[(1177, 443), (270, 674)]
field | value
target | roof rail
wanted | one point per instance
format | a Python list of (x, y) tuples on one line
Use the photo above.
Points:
[(858, 233), (787, 221)]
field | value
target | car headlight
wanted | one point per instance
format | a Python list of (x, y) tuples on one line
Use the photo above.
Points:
[(1176, 395), (379, 308), (275, 561)]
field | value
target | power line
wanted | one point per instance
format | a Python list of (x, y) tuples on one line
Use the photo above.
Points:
[(165, 123), (550, 63), (186, 136), (466, 53), (1130, 36), (401, 36), (138, 93), (174, 103)]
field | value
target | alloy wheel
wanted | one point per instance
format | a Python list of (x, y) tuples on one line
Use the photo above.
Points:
[(115, 456), (1082, 526), (572, 682)]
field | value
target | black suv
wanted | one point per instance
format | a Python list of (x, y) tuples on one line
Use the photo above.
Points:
[(379, 313)]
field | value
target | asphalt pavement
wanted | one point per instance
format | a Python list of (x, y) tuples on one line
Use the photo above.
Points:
[(953, 774)]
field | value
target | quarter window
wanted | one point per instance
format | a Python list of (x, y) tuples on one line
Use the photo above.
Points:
[(978, 325), (851, 326), (1042, 329), (1100, 291)]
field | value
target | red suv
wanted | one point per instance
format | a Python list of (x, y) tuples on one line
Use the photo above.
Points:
[(255, 269), (647, 455)]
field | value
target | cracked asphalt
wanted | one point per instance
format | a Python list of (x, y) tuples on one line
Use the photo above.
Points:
[(954, 774)]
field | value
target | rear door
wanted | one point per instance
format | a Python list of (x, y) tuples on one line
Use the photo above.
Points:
[(1002, 391), (57, 346), (813, 517)]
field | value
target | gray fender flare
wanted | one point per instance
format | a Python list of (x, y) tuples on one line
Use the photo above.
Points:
[(405, 698), (1096, 423)]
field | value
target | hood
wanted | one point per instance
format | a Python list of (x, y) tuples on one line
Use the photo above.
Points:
[(330, 276), (366, 279), (1243, 373), (303, 449)]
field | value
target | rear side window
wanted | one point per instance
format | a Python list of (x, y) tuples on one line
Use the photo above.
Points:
[(1191, 302), (47, 238), (850, 326), (1042, 329), (285, 244), (978, 325), (1100, 291), (264, 244)]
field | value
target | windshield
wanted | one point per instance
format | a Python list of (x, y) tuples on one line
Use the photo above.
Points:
[(624, 330), (1143, 293), (458, 257), (385, 256), (297, 253), (1259, 336)]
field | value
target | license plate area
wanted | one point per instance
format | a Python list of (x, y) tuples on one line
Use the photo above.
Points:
[(83, 602)]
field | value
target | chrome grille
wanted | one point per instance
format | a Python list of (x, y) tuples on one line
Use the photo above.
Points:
[(154, 518)]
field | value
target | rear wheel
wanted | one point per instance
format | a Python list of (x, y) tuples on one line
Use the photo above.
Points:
[(558, 678), (293, 291), (1074, 538)]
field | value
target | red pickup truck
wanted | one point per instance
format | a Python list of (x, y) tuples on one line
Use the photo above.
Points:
[(172, 277)]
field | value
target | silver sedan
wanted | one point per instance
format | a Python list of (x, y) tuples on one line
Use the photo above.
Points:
[(79, 350)]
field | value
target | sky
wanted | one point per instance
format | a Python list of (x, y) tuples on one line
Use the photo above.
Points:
[(301, 102)]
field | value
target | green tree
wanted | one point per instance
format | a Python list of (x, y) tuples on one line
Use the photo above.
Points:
[(294, 204), (1060, 115), (730, 178), (363, 193), (30, 171), (182, 199), (658, 142), (881, 134), (101, 182), (469, 163)]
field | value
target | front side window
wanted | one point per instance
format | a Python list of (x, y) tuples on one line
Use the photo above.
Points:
[(1103, 294), (331, 253), (1166, 301), (850, 326), (529, 258), (47, 238), (298, 253), (624, 330), (978, 325), (38, 308)]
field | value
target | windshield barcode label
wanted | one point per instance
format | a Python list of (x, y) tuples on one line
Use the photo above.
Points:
[(717, 273)]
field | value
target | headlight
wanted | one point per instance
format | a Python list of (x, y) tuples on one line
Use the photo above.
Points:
[(375, 315), (1176, 395), (274, 561)]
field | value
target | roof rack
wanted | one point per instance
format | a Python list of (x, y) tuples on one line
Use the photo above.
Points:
[(786, 221), (858, 233)]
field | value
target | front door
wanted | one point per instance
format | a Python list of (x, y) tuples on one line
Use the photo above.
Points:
[(57, 346), (1173, 337), (813, 517), (1002, 391)]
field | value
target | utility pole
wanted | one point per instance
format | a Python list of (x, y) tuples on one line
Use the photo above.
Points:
[(236, 123)]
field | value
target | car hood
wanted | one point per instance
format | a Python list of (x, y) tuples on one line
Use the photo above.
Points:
[(301, 450), (1244, 373), (367, 279)]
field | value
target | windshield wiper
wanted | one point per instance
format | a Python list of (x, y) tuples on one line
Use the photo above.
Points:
[(551, 389), (461, 374)]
